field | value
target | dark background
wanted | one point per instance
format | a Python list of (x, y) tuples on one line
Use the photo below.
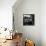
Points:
[(28, 20)]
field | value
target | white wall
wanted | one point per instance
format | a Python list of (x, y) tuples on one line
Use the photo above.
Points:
[(43, 22), (28, 7), (6, 13)]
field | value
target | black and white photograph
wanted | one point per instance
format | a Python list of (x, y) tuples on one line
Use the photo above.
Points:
[(28, 19)]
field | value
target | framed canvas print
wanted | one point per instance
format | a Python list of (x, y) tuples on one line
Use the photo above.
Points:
[(28, 19)]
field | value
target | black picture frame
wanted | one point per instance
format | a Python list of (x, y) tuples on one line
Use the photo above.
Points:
[(28, 19)]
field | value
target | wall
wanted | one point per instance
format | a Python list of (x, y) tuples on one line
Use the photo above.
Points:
[(6, 13), (43, 22), (28, 7)]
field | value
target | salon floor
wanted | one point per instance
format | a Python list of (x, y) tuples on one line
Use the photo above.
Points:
[(9, 43)]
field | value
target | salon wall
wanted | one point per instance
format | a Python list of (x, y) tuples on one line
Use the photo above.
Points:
[(32, 32), (6, 13), (43, 22)]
